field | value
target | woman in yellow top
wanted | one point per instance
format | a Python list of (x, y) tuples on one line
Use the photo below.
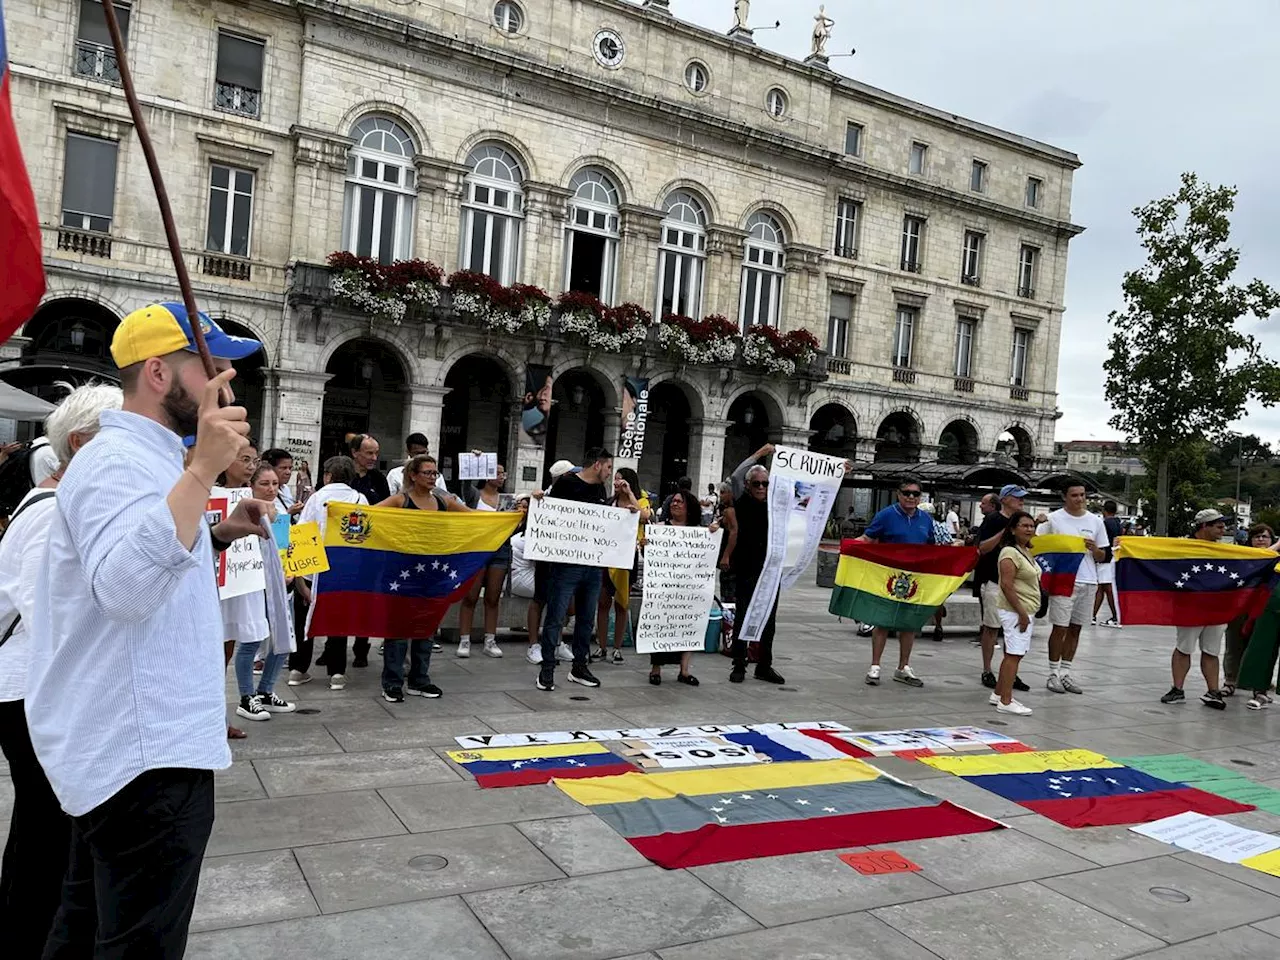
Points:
[(1019, 600), (617, 583)]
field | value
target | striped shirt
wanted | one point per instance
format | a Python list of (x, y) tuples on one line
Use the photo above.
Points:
[(126, 672)]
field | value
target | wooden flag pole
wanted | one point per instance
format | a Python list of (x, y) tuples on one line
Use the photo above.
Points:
[(157, 181)]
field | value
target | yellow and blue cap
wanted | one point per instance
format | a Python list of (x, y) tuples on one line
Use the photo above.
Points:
[(163, 328)]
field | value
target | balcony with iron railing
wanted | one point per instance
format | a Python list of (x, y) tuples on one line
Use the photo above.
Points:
[(234, 98), (97, 61)]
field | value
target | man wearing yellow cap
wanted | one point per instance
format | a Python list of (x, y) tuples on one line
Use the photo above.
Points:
[(125, 687)]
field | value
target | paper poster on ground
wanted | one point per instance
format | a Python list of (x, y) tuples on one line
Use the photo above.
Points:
[(565, 531), (239, 567), (679, 588), (802, 491)]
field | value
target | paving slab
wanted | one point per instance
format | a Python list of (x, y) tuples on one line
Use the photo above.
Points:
[(1242, 943), (1125, 892), (1197, 735), (299, 776), (238, 782), (805, 886), (402, 734), (421, 866), (602, 916), (251, 888), (456, 704), (1265, 882), (992, 859), (1269, 926), (283, 740), (445, 806), (438, 928), (854, 936), (251, 825), (1119, 742), (1105, 846), (966, 794), (1023, 920), (581, 845)]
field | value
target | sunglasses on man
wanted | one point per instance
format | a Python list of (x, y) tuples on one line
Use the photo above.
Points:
[(910, 493), (759, 484)]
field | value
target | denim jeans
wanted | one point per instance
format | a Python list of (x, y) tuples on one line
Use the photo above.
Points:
[(565, 582), (246, 653), (393, 652)]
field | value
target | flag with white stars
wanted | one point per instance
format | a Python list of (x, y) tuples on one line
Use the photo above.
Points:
[(539, 763), (1059, 556)]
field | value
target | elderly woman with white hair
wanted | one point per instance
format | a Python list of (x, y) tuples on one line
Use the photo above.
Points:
[(39, 846)]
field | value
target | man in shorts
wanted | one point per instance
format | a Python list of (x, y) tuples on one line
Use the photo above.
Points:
[(1209, 525), (987, 576), (1069, 614), (1107, 570)]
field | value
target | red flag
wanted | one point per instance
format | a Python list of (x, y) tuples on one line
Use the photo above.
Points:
[(19, 223)]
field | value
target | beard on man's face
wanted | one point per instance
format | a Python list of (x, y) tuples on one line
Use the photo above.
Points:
[(182, 409)]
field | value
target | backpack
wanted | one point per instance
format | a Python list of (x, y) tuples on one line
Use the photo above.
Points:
[(15, 475)]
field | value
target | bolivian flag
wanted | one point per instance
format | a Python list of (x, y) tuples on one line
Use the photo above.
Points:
[(395, 572), (1191, 583), (1059, 556), (688, 818), (897, 586)]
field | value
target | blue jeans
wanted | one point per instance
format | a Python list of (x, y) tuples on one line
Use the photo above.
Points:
[(565, 582), (246, 653), (393, 652)]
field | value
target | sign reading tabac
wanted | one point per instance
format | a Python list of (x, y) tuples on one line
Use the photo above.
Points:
[(591, 534), (679, 587)]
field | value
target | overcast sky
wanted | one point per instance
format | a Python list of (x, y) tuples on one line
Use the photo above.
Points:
[(1141, 90)]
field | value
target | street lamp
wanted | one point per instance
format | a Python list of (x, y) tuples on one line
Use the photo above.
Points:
[(366, 369), (77, 336)]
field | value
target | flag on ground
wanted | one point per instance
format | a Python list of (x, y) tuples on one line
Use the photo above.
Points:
[(1080, 788), (19, 222), (518, 766), (1190, 583), (395, 573), (693, 818), (897, 586), (1059, 556)]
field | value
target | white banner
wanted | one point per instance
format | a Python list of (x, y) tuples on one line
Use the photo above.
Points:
[(802, 491), (239, 567), (639, 733), (679, 586), (591, 534)]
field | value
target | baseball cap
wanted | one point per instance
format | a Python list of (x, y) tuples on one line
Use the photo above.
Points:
[(1012, 490), (1208, 515), (163, 328), (561, 467)]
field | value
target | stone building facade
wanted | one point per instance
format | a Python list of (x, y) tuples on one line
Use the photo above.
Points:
[(598, 145)]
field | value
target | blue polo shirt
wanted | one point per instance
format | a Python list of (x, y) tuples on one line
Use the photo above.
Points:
[(892, 525)]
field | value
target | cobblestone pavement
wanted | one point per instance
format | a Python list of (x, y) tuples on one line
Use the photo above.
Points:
[(343, 832)]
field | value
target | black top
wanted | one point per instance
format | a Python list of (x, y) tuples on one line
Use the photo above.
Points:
[(988, 568), (572, 487), (410, 505), (374, 486), (753, 535)]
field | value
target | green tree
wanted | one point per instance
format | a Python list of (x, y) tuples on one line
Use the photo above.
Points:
[(1191, 484), (1180, 369)]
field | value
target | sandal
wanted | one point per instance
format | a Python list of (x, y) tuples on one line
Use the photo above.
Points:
[(688, 678), (655, 679), (1228, 689), (598, 654)]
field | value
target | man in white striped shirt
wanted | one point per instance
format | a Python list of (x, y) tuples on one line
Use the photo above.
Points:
[(125, 696)]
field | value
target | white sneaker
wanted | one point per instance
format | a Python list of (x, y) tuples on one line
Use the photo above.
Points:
[(564, 653), (908, 676), (464, 648), (491, 649), (993, 699), (873, 676), (297, 678), (337, 682), (535, 653), (1014, 707), (1054, 684)]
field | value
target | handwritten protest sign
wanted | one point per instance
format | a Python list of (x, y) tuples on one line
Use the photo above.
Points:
[(679, 585), (305, 554), (240, 565), (565, 531)]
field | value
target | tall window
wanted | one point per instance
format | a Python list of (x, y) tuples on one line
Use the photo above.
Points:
[(978, 177), (380, 191), (971, 258), (591, 240), (682, 252), (761, 299), (915, 161), (848, 213), (1035, 187), (1027, 259), (904, 331), (1018, 357), (89, 183), (839, 318), (912, 241), (853, 139), (95, 55), (492, 213), (966, 327), (239, 79), (230, 210)]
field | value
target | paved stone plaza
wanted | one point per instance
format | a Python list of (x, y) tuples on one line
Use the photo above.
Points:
[(343, 832)]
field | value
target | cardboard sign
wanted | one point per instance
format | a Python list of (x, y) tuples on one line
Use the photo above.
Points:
[(876, 862), (305, 555), (590, 534), (676, 753), (679, 587), (239, 567)]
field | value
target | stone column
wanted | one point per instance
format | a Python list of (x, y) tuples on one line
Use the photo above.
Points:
[(638, 255), (790, 436), (724, 272), (439, 216), (320, 162), (423, 412), (298, 406), (706, 453), (542, 261)]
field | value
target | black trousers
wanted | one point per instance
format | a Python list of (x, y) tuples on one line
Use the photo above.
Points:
[(360, 649), (300, 659), (39, 846), (746, 584), (135, 864)]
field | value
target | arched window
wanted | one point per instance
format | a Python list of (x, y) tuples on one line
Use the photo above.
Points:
[(381, 187), (492, 210), (761, 298), (591, 238), (682, 253)]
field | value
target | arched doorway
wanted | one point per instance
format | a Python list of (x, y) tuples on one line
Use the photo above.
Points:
[(1015, 443), (477, 412), (834, 431), (577, 417), (958, 443), (898, 439), (751, 418), (364, 395), (250, 378), (666, 443)]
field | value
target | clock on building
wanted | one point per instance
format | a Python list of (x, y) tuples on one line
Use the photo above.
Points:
[(609, 48)]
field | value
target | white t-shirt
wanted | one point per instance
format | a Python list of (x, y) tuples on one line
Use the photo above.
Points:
[(395, 481), (1090, 525), (43, 462), (314, 511), (522, 582), (953, 522), (21, 557)]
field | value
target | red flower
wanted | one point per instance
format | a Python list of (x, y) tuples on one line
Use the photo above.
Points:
[(713, 327)]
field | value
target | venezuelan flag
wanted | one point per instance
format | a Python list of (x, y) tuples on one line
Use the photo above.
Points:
[(894, 585), (539, 763), (1080, 788), (1059, 556), (1191, 583), (395, 572)]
